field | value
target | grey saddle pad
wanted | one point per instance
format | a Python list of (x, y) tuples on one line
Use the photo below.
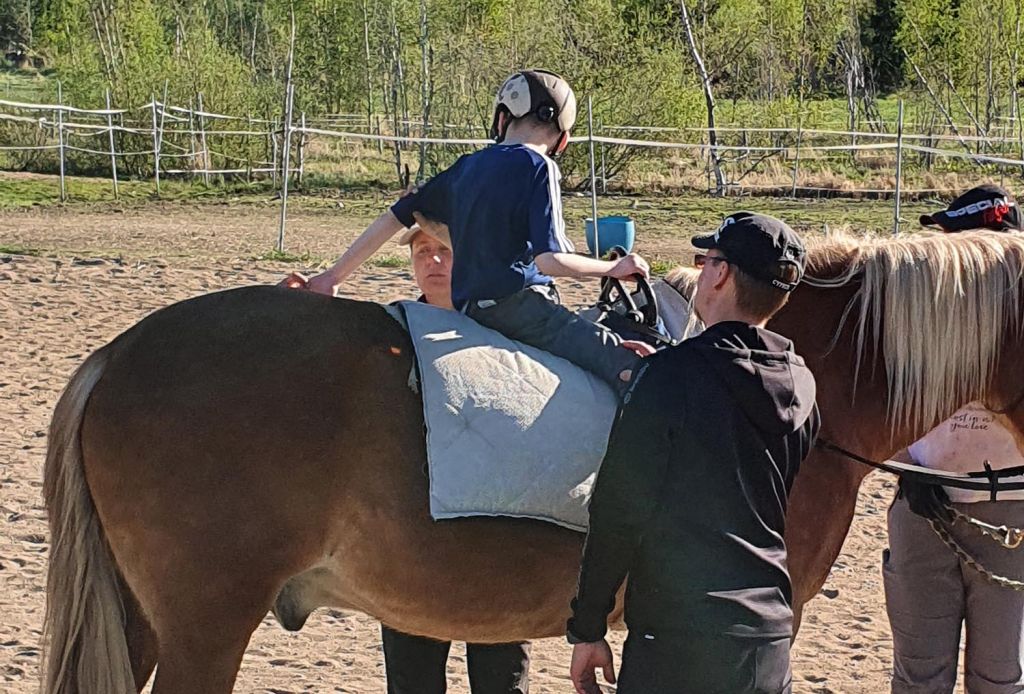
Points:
[(511, 430)]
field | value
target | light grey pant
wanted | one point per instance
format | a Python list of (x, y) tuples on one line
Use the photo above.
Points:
[(534, 316), (929, 593)]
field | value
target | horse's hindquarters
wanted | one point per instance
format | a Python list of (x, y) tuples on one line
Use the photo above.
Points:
[(230, 457)]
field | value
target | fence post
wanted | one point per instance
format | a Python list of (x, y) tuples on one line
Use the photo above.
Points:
[(302, 150), (899, 169), (705, 153), (380, 142), (286, 138), (796, 156), (60, 140), (1020, 133), (202, 140), (593, 178), (163, 116), (113, 152), (604, 169), (156, 143), (273, 147), (248, 148), (192, 136), (286, 146)]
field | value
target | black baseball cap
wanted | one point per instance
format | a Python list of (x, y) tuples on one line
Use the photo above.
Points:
[(984, 207), (757, 244)]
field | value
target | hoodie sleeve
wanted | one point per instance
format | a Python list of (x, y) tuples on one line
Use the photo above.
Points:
[(626, 494)]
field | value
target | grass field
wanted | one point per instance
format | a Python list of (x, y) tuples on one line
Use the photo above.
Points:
[(25, 85)]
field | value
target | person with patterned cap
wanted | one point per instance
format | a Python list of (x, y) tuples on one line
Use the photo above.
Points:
[(430, 249), (986, 206), (416, 664), (932, 595), (690, 500), (503, 208)]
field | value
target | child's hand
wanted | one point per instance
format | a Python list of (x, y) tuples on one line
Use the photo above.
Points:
[(294, 280), (629, 266), (641, 349)]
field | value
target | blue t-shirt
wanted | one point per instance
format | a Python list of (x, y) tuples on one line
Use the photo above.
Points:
[(503, 207)]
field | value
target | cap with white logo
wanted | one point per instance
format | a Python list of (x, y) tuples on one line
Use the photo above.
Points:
[(986, 206), (758, 244)]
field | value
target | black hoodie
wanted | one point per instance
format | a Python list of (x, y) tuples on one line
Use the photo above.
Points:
[(691, 497)]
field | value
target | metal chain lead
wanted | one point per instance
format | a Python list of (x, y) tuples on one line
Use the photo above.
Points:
[(1009, 538)]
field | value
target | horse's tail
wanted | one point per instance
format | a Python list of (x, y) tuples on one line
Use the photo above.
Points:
[(84, 638)]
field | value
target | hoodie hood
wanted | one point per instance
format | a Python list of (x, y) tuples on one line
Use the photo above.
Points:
[(771, 383)]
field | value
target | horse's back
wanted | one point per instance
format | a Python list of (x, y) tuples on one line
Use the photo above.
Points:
[(228, 424), (257, 323), (247, 345)]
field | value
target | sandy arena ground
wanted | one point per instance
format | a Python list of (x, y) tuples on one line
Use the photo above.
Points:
[(56, 310)]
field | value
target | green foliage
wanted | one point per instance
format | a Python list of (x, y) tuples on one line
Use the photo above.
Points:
[(406, 61), (359, 56), (16, 24), (277, 256), (389, 260), (973, 45), (20, 250)]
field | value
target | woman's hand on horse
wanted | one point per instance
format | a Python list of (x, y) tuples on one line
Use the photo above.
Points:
[(323, 284), (586, 658), (628, 266)]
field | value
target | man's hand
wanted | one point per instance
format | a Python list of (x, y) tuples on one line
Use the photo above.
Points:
[(628, 266), (586, 658), (322, 284)]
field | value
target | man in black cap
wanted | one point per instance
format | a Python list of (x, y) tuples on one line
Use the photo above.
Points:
[(691, 498), (984, 207)]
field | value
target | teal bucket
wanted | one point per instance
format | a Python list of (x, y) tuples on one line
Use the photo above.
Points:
[(612, 232)]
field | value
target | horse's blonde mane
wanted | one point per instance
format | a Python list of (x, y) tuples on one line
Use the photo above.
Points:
[(935, 306)]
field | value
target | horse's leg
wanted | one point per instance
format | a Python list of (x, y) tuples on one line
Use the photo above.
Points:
[(821, 508), (202, 658), (142, 643), (203, 635)]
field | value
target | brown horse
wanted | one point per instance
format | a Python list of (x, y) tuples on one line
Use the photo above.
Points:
[(261, 449)]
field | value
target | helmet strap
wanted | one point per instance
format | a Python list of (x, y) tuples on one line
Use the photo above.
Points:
[(563, 142), (499, 126)]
